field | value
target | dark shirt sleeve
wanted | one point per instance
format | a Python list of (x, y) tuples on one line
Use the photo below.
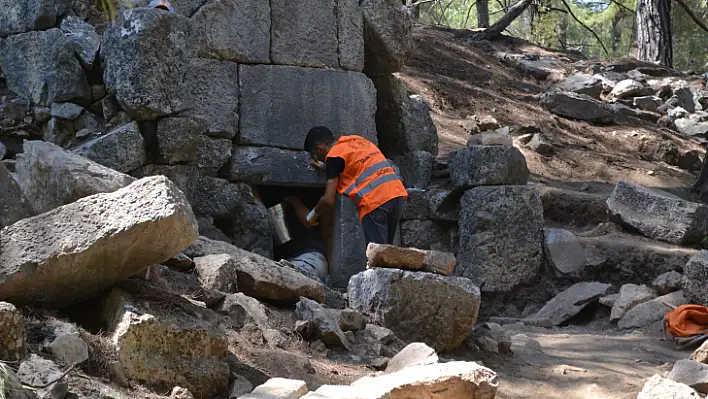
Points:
[(334, 167)]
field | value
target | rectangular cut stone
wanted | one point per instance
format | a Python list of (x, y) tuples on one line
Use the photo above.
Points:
[(280, 104), (349, 246), (274, 166), (350, 27)]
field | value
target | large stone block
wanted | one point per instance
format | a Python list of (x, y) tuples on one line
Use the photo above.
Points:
[(123, 149), (93, 243), (304, 33), (388, 36), (349, 245), (570, 302), (500, 237), (245, 41), (12, 342), (13, 204), (280, 104), (212, 154), (695, 278), (658, 214), (415, 168), (84, 37), (582, 84), (186, 177), (24, 16), (41, 67), (177, 139), (350, 32), (51, 177), (577, 106), (415, 305), (429, 234), (485, 165), (660, 388), (274, 166)]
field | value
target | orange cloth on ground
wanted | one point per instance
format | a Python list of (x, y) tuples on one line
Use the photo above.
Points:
[(687, 320)]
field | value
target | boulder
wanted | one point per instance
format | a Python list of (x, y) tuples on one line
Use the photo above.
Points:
[(540, 144), (648, 103), (415, 354), (13, 204), (691, 373), (564, 252), (668, 282), (245, 310), (24, 16), (490, 337), (186, 177), (280, 104), (12, 341), (349, 245), (577, 106), (239, 386), (67, 111), (325, 324), (630, 295), (660, 388), (412, 304), (429, 234), (60, 132), (500, 237), (122, 150), (609, 300), (39, 372), (695, 274), (217, 272), (212, 154), (415, 168), (84, 38), (570, 302), (388, 36), (192, 350), (692, 128), (248, 41), (685, 99), (41, 67), (488, 165), (67, 346), (350, 320), (582, 84), (273, 166), (701, 354), (390, 256), (630, 88), (145, 55), (658, 214), (51, 177), (304, 34), (278, 388), (491, 138), (350, 34), (651, 311), (177, 139), (113, 236), (426, 205)]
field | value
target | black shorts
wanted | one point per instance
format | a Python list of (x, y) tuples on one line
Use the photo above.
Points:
[(380, 224)]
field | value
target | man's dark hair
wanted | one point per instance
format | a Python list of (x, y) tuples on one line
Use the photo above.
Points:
[(316, 136)]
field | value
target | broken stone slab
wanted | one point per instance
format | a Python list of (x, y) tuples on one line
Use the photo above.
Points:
[(217, 272), (192, 351), (24, 16), (51, 177), (135, 227), (564, 252), (41, 67), (500, 237), (325, 323), (388, 36), (244, 309), (280, 104), (390, 256), (691, 373), (84, 37), (415, 168), (415, 304), (273, 166), (13, 204), (67, 346), (248, 41), (177, 139), (12, 341), (693, 281), (582, 84), (415, 354), (691, 128), (304, 34), (570, 302), (350, 34), (660, 388), (668, 282), (122, 150), (40, 372), (577, 106), (278, 388), (66, 111), (488, 165), (629, 88), (609, 300), (630, 295), (651, 311), (658, 214)]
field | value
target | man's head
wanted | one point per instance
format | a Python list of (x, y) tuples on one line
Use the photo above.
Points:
[(319, 141)]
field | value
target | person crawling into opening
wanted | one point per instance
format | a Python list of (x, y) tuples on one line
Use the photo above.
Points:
[(306, 249)]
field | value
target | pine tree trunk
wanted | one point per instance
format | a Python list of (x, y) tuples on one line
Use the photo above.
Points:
[(654, 32), (482, 13), (616, 31)]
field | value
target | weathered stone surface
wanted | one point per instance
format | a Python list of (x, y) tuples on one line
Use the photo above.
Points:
[(304, 34), (325, 323), (246, 41), (661, 388), (239, 387), (248, 226), (58, 131), (177, 139), (412, 304), (244, 309), (490, 337), (24, 16), (488, 165), (12, 341), (13, 204), (500, 237), (685, 99), (541, 145), (212, 154), (691, 373), (51, 177), (84, 38), (278, 388), (192, 349), (630, 88), (648, 103), (222, 199), (187, 284), (571, 301), (280, 104), (701, 354), (427, 205), (67, 347), (415, 354), (350, 34), (658, 214), (668, 282), (350, 320), (217, 272), (113, 236), (623, 113), (273, 166), (491, 138), (564, 252), (390, 256), (66, 111), (41, 68), (429, 234), (388, 36), (651, 311), (691, 128), (630, 295), (145, 55), (123, 149), (577, 106), (37, 371), (415, 168), (695, 277), (609, 300), (582, 84), (186, 177), (349, 244)]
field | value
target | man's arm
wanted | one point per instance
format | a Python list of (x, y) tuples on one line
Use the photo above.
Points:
[(301, 210), (330, 196)]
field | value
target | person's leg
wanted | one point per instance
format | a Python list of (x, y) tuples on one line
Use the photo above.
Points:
[(313, 263), (394, 217), (375, 225)]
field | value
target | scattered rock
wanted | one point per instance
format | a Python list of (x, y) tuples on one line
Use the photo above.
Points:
[(541, 145), (181, 393), (691, 127), (122, 150), (690, 160), (582, 84), (217, 272), (694, 277), (630, 88), (564, 252), (12, 340), (491, 337), (701, 354), (67, 347), (381, 255), (240, 386), (630, 295), (648, 103), (39, 372), (487, 122), (651, 311), (668, 282), (691, 373), (415, 354), (350, 320), (244, 309), (66, 111), (577, 106), (13, 204), (570, 302), (326, 324), (490, 138), (19, 17), (659, 388), (388, 37), (84, 37), (188, 286), (623, 113), (487, 165), (685, 99), (278, 388), (609, 300)]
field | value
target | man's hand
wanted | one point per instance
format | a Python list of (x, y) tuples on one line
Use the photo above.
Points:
[(311, 219), (318, 164)]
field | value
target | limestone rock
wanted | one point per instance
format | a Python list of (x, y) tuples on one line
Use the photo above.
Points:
[(217, 272), (564, 252), (112, 236), (630, 88), (661, 388), (84, 38), (582, 84), (122, 150), (415, 354), (658, 214), (415, 168), (350, 33), (12, 341), (278, 388), (51, 177), (694, 278), (381, 255), (668, 282), (325, 323), (245, 309), (24, 16), (41, 68), (630, 295), (304, 34), (701, 354), (412, 304), (651, 311), (691, 373), (280, 104), (248, 41), (577, 106), (500, 237), (388, 36), (571, 301), (273, 166), (488, 165), (13, 204)]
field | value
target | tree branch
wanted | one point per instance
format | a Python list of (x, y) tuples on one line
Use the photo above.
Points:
[(417, 3), (469, 11), (692, 15), (623, 6), (570, 11)]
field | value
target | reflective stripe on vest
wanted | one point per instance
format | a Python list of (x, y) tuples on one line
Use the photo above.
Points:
[(365, 175), (372, 186)]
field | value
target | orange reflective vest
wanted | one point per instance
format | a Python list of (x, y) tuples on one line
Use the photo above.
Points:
[(368, 179), (687, 321)]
